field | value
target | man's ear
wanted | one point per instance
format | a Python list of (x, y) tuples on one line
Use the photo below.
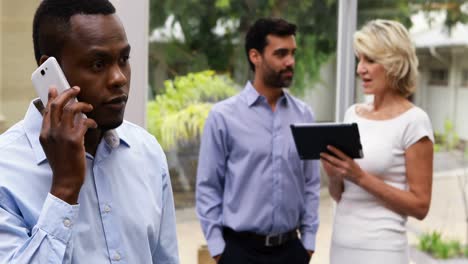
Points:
[(42, 59), (255, 56)]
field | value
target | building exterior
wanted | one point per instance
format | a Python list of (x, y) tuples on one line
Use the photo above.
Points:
[(443, 83), (442, 89)]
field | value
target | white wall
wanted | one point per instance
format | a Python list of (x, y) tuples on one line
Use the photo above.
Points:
[(461, 120), (321, 97), (135, 17), (17, 60), (445, 102), (439, 106)]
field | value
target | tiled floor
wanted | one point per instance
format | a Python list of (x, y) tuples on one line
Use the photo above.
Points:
[(191, 238), (446, 215)]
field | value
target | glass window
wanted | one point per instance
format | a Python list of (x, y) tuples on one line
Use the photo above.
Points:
[(464, 83), (438, 77)]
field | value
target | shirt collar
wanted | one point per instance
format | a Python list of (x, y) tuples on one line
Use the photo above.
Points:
[(286, 97), (252, 95), (119, 133), (33, 125), (32, 128)]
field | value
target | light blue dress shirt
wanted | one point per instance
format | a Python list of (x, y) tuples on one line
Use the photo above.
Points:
[(125, 211), (250, 177)]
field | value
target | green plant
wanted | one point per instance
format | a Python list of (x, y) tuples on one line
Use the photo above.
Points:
[(179, 113), (448, 140), (433, 244)]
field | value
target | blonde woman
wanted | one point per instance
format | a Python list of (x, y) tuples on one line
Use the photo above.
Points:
[(376, 194)]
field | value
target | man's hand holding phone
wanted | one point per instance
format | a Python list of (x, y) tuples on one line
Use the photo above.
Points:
[(63, 129), (62, 138)]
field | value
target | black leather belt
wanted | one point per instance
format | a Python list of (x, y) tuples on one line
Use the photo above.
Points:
[(266, 240)]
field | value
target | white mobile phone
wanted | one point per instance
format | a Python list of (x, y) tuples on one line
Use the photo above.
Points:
[(46, 75), (50, 74)]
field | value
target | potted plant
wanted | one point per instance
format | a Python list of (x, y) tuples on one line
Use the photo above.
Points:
[(177, 117)]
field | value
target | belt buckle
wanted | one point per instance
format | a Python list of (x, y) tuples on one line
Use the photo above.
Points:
[(270, 243)]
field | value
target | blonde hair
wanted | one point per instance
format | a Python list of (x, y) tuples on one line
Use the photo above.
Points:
[(388, 43)]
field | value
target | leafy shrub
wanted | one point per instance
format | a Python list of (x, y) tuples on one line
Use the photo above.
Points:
[(433, 244), (448, 140), (179, 113)]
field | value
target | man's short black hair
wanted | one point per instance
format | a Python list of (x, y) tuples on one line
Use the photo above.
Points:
[(52, 22), (256, 37)]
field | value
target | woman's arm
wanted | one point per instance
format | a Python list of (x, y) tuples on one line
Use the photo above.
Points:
[(413, 202)]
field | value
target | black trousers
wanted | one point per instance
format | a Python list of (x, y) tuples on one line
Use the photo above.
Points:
[(244, 251)]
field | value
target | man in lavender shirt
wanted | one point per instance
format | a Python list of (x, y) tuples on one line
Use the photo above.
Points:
[(256, 200)]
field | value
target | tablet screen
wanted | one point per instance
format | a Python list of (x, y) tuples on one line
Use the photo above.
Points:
[(312, 138)]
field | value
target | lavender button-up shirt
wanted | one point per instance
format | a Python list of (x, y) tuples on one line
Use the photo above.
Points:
[(250, 177)]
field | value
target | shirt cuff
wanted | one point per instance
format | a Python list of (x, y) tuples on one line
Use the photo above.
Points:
[(57, 218), (308, 240), (216, 246)]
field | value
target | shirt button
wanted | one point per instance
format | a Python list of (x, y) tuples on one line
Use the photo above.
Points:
[(117, 257), (67, 222), (107, 209)]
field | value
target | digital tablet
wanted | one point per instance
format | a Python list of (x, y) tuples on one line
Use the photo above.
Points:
[(312, 138)]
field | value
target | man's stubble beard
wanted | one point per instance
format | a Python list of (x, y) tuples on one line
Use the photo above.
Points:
[(274, 79)]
